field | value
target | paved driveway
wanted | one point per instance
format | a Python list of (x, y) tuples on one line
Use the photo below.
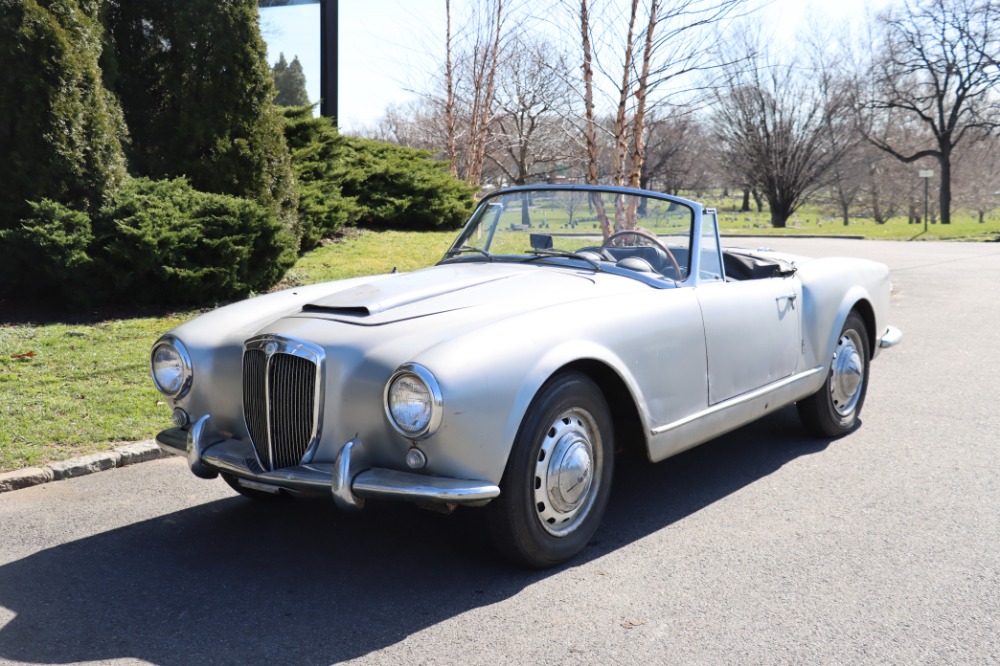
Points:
[(763, 546)]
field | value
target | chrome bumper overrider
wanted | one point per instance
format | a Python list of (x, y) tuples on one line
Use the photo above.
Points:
[(890, 338), (207, 456)]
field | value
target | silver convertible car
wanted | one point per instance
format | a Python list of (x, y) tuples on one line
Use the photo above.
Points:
[(565, 324)]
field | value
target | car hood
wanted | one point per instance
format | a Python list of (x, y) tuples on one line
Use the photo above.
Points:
[(504, 288)]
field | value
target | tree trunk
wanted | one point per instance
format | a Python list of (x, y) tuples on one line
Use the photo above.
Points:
[(745, 208), (484, 92), (877, 208), (845, 205), (449, 106), (590, 132), (758, 200), (638, 122), (945, 162), (621, 119)]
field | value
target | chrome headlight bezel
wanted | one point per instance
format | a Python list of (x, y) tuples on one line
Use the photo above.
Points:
[(187, 375), (435, 401)]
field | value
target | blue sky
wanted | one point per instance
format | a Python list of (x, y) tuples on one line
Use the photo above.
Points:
[(389, 47)]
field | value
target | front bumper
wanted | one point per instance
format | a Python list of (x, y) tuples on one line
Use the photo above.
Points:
[(890, 338), (348, 483)]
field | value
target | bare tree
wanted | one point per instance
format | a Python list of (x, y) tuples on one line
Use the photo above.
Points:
[(483, 60), (449, 104), (590, 125), (636, 58), (532, 98), (830, 57), (936, 65), (977, 171), (675, 154), (782, 131)]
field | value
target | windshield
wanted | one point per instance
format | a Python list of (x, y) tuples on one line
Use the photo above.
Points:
[(601, 228)]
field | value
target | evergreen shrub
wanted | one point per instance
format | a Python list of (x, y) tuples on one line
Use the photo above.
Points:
[(157, 243), (61, 129), (403, 188), (47, 255), (163, 242), (343, 180)]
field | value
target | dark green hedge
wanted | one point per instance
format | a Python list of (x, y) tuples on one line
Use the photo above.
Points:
[(60, 128), (158, 243), (346, 180)]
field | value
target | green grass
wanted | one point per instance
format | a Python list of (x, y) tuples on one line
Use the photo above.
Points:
[(87, 385), (817, 220)]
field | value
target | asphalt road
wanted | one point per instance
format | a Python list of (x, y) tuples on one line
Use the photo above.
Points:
[(763, 546)]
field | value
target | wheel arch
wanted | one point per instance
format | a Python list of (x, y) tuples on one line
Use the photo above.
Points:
[(866, 311), (629, 433)]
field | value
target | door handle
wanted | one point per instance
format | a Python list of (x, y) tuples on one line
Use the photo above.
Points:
[(788, 297)]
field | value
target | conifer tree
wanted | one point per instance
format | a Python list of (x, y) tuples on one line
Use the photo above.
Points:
[(60, 130), (197, 94), (290, 82)]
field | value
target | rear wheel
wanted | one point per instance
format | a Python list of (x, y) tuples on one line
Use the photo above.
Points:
[(558, 476), (833, 410)]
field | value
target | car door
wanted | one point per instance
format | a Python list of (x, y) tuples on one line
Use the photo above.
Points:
[(752, 333)]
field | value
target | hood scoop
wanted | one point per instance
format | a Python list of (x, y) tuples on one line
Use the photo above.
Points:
[(396, 291), (348, 310)]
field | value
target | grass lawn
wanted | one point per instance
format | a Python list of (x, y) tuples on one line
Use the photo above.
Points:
[(815, 220), (81, 385), (87, 386)]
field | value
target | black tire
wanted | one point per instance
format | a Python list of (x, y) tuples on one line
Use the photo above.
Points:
[(257, 495), (543, 517), (833, 410)]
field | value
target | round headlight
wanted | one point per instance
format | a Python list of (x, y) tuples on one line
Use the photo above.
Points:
[(171, 367), (413, 401)]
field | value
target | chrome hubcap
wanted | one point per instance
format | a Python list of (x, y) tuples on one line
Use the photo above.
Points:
[(847, 373), (566, 472)]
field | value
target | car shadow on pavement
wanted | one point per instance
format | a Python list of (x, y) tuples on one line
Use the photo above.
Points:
[(237, 582)]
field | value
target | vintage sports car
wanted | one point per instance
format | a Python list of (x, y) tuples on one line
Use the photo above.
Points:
[(566, 324)]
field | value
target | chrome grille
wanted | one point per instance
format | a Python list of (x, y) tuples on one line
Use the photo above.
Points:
[(281, 381)]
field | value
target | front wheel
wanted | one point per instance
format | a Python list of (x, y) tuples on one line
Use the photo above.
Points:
[(833, 410), (558, 477)]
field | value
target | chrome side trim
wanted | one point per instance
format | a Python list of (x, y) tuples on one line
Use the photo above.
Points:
[(890, 338), (738, 400), (396, 485)]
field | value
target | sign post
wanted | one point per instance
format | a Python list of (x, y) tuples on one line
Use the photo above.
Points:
[(926, 174)]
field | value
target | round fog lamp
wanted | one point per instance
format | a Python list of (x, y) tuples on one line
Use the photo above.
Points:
[(179, 418), (416, 459)]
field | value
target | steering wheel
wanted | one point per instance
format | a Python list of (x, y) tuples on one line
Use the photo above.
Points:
[(652, 240)]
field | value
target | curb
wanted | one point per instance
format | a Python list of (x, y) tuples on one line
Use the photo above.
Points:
[(129, 454)]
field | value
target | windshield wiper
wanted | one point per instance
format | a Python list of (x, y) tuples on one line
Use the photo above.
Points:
[(548, 252), (468, 248)]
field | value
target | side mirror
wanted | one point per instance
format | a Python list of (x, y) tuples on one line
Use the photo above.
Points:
[(541, 242)]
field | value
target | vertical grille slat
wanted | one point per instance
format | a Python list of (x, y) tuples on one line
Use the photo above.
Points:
[(279, 403), (255, 403)]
